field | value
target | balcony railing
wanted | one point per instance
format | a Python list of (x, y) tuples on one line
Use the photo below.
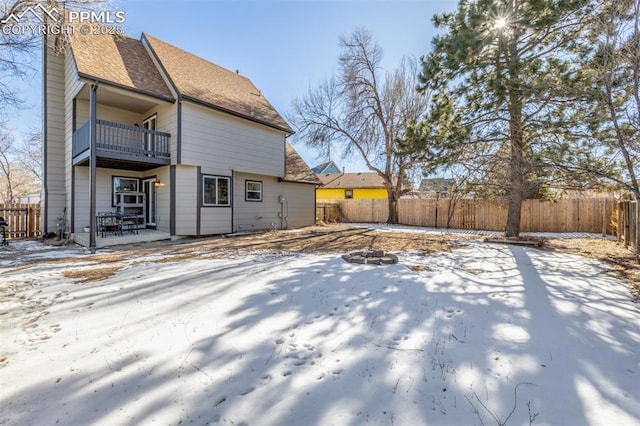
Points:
[(123, 139)]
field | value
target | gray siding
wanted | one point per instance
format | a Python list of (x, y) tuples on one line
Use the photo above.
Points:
[(167, 122), (186, 200), (55, 143), (166, 115), (163, 194), (215, 220), (72, 86), (297, 210), (105, 112), (104, 191), (104, 186), (300, 206), (224, 143)]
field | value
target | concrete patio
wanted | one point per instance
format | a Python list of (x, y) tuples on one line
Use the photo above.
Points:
[(143, 236)]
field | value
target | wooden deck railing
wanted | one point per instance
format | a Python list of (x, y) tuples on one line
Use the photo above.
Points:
[(123, 138)]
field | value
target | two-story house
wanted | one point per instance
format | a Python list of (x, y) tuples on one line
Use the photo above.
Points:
[(188, 146)]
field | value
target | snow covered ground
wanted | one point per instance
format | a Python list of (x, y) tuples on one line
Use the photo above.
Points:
[(487, 334), (385, 227)]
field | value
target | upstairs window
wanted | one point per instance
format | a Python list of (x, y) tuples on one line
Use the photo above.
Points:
[(348, 194)]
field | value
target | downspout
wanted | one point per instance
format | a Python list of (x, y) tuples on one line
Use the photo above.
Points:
[(282, 200), (199, 201), (45, 138), (92, 165), (637, 228), (286, 218), (74, 127), (233, 201)]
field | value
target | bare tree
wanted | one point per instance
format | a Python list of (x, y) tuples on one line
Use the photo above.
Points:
[(16, 175), (19, 49), (6, 166), (604, 120), (614, 71), (16, 52), (29, 154), (365, 112)]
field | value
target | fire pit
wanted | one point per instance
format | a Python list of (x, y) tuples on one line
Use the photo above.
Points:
[(375, 257)]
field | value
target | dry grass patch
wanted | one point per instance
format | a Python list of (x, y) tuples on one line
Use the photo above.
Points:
[(334, 239), (18, 268), (187, 255), (84, 276), (620, 259)]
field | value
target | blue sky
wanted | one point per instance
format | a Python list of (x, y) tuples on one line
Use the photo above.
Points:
[(284, 47)]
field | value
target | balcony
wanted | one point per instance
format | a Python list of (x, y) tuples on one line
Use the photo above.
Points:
[(121, 146)]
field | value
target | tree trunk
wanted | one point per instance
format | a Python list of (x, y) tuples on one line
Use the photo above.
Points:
[(393, 207), (515, 202), (517, 168), (517, 164), (517, 172)]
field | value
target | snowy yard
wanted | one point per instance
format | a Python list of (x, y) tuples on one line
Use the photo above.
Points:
[(484, 334)]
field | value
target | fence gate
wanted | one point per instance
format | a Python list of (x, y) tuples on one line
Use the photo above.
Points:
[(23, 220), (629, 224)]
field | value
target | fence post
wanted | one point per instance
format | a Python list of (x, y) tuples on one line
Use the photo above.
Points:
[(637, 244), (627, 216), (604, 218), (563, 216)]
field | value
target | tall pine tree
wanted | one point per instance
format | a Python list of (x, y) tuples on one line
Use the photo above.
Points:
[(496, 76), (607, 107)]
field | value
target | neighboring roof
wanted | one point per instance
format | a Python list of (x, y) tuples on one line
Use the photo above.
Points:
[(326, 168), (296, 170), (352, 180), (120, 60), (200, 80), (436, 185)]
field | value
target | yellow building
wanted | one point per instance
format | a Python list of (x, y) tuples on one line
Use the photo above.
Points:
[(341, 186)]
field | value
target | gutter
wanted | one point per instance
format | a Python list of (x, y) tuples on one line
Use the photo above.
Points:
[(91, 79)]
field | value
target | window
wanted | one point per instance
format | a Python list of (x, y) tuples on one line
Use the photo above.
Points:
[(124, 184), (348, 194), (215, 191), (253, 190)]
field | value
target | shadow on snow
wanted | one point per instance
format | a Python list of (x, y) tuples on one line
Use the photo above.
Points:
[(296, 339)]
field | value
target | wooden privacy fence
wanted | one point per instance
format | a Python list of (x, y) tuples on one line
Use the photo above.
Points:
[(568, 215), (629, 224), (23, 220)]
